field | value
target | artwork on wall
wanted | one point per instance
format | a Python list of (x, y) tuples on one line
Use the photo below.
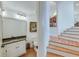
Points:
[(53, 21), (33, 26)]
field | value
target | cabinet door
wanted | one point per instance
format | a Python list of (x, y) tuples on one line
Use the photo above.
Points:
[(15, 49), (13, 28), (21, 48), (20, 27), (10, 50), (8, 28)]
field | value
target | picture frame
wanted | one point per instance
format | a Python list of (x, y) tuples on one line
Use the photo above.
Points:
[(53, 21), (33, 26)]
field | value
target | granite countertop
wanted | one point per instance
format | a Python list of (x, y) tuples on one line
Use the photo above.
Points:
[(13, 39)]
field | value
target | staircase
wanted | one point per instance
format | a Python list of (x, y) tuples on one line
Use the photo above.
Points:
[(66, 44)]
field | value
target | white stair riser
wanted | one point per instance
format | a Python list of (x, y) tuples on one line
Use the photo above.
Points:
[(65, 54), (68, 35), (71, 30), (67, 38), (65, 46), (76, 27), (77, 33)]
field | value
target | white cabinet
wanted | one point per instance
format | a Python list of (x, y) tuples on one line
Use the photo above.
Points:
[(0, 36), (15, 49), (13, 28)]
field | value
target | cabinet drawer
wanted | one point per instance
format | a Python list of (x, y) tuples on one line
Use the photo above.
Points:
[(21, 47), (15, 49), (10, 50)]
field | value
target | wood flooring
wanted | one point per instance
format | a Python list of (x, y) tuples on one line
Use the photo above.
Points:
[(53, 55), (32, 53)]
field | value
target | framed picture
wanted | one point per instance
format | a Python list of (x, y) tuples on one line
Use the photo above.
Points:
[(33, 26), (53, 21)]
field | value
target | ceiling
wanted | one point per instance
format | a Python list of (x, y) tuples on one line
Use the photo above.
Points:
[(28, 7)]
